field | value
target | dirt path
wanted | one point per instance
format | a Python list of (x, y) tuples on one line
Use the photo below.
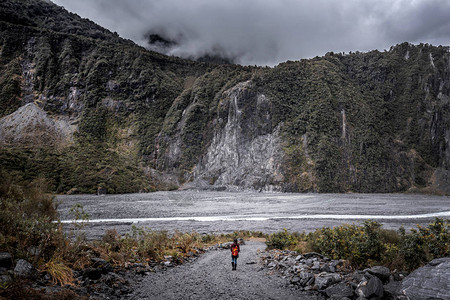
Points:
[(210, 277)]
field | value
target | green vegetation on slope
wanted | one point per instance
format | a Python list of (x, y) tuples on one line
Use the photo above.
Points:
[(364, 122)]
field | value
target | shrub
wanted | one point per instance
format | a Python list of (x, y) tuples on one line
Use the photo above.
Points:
[(369, 244), (26, 219), (280, 240)]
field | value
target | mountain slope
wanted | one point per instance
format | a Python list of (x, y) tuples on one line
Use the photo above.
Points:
[(363, 122)]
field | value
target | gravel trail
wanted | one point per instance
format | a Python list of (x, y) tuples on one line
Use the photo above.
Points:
[(210, 277)]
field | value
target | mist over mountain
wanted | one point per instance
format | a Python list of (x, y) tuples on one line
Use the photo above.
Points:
[(87, 109), (265, 32)]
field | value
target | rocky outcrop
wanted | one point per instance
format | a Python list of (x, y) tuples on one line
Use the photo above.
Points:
[(330, 278), (429, 282), (246, 152), (31, 125)]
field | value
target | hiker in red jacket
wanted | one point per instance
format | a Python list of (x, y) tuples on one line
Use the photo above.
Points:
[(235, 249)]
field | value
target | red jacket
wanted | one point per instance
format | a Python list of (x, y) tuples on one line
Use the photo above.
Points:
[(234, 245)]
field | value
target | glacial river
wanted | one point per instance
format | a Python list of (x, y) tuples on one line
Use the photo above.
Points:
[(218, 212)]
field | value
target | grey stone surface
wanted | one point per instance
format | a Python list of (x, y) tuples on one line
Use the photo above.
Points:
[(339, 291), (370, 288), (306, 278), (245, 152), (24, 269), (430, 281), (324, 280), (381, 272)]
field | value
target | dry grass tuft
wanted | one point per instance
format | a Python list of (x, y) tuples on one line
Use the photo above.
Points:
[(61, 274)]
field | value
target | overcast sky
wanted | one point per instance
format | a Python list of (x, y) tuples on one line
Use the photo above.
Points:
[(267, 32)]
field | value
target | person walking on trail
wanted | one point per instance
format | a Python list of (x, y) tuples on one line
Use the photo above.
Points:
[(235, 249)]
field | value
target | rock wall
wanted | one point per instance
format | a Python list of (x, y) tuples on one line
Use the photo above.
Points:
[(245, 152)]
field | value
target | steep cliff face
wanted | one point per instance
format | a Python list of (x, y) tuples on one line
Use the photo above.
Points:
[(246, 152), (102, 111)]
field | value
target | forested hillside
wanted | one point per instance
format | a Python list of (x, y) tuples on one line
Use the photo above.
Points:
[(84, 109)]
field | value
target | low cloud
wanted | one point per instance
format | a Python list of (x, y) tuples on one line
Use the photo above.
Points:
[(267, 32)]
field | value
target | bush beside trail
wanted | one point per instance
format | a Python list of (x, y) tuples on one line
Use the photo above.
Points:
[(370, 244)]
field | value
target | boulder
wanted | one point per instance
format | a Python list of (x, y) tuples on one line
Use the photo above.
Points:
[(381, 272), (372, 288), (24, 269), (431, 281), (339, 291), (5, 260), (306, 278), (390, 289)]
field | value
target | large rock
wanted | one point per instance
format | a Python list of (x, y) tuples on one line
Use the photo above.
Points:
[(430, 281), (24, 269), (5, 260), (339, 291), (372, 288), (381, 272)]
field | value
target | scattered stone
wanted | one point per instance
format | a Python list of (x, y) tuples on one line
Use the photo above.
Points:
[(381, 272), (5, 260), (339, 291), (428, 282), (323, 282), (168, 264), (306, 278), (316, 266), (24, 269), (225, 245)]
